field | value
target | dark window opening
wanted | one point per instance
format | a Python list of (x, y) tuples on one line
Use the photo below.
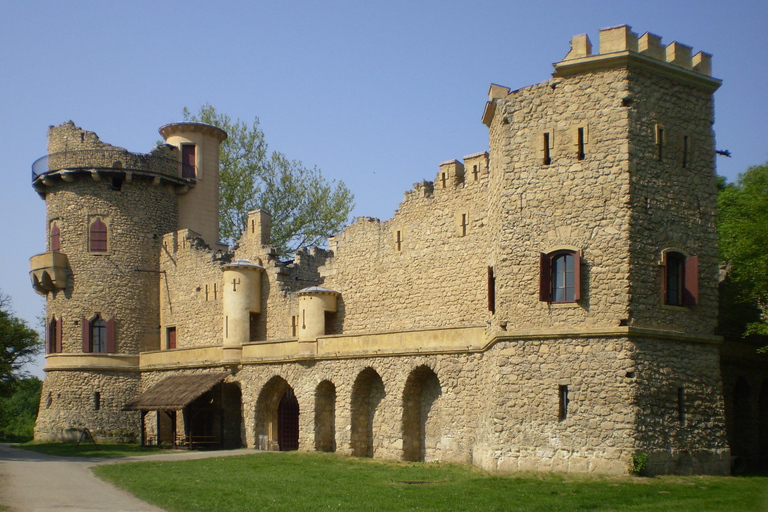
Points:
[(55, 237), (685, 151), (660, 143), (99, 335), (116, 183), (580, 143), (547, 159), (563, 408), (253, 326), (96, 401), (399, 240), (491, 290), (463, 224), (474, 172), (330, 323), (98, 235), (681, 405), (295, 325), (53, 336), (681, 279), (188, 169), (170, 336), (560, 277), (442, 177)]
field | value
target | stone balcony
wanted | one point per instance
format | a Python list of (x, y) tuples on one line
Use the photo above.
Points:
[(48, 272)]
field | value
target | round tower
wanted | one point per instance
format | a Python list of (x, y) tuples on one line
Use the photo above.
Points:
[(198, 146), (107, 210)]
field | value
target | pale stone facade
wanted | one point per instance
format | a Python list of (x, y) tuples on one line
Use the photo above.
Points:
[(439, 334)]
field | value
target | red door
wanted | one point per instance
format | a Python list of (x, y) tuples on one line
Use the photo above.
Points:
[(288, 422), (188, 161)]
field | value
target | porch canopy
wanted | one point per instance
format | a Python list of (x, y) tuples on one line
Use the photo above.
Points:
[(175, 393)]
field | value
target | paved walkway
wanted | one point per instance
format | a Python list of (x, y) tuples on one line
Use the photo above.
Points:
[(34, 482)]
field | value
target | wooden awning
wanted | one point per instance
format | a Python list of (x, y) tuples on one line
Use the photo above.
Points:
[(175, 393)]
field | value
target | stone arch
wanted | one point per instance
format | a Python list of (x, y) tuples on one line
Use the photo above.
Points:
[(325, 417), (277, 416), (422, 389), (742, 418), (367, 392)]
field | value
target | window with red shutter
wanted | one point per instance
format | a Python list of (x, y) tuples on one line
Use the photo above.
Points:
[(560, 276), (171, 337), (188, 169), (55, 237), (98, 236)]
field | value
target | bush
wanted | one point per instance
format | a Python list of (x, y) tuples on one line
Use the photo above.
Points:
[(18, 412), (639, 463)]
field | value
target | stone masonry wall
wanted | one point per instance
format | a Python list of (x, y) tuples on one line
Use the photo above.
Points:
[(436, 278), (539, 207), (672, 206)]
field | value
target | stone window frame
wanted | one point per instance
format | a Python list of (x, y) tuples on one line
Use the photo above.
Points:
[(88, 326), (686, 275), (92, 220), (547, 279), (54, 235), (53, 335)]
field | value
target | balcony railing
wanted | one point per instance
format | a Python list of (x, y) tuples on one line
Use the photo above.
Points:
[(106, 159)]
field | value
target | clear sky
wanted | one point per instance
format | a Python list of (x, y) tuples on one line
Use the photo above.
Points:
[(374, 93)]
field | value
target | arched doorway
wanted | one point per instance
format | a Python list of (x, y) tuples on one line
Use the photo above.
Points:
[(325, 417), (277, 416), (367, 393), (422, 389)]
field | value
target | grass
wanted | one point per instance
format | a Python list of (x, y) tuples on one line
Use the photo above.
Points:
[(107, 451), (312, 481)]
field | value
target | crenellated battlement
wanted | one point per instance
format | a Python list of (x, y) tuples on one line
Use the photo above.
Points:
[(614, 40)]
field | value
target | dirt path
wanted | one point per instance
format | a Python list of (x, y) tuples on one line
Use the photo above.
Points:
[(31, 481)]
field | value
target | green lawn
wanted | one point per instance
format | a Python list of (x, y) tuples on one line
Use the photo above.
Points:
[(312, 481), (107, 451)]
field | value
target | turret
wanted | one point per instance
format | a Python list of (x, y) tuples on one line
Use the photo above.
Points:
[(198, 146)]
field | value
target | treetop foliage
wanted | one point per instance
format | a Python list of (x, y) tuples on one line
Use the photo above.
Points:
[(18, 343), (305, 207), (743, 231)]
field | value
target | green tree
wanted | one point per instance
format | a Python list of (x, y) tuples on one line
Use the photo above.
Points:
[(18, 343), (18, 412), (743, 230), (305, 207)]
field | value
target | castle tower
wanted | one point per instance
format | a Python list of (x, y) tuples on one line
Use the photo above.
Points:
[(107, 210), (603, 186), (198, 146)]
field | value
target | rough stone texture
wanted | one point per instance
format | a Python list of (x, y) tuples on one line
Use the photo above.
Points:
[(580, 386)]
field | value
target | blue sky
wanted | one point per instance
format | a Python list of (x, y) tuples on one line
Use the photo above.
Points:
[(376, 94)]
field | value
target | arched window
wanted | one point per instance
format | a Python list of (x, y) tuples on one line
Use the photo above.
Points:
[(98, 236), (560, 276), (53, 336), (99, 335), (55, 237), (681, 278)]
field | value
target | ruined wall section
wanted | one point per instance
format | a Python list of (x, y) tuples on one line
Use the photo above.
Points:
[(424, 267), (191, 291), (566, 201), (674, 202)]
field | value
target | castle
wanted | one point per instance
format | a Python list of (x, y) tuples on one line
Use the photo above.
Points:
[(547, 305)]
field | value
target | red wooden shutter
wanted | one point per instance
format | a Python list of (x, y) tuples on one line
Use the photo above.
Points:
[(98, 236), (55, 237), (59, 328), (691, 291), (576, 275), (545, 278), (48, 341), (86, 325), (188, 161), (111, 336)]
